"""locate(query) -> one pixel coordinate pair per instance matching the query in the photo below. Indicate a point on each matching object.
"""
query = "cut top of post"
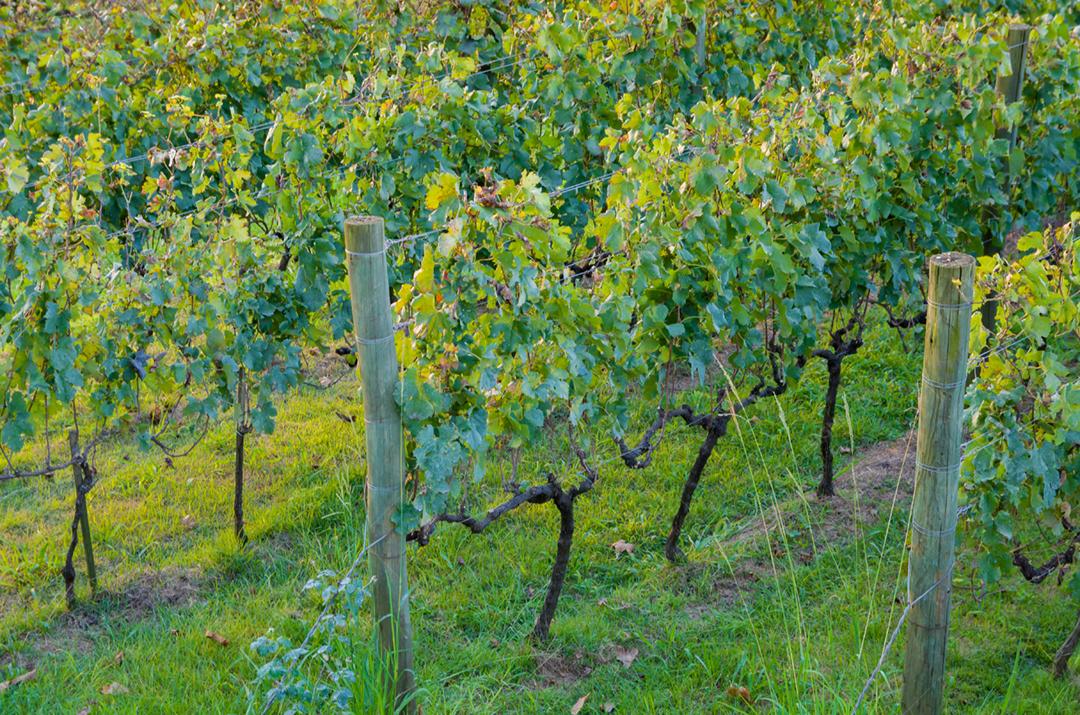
(948, 310)
(364, 235)
(951, 276)
(952, 260)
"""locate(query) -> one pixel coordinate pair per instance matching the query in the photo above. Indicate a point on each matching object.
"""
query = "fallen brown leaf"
(119, 657)
(25, 677)
(626, 656)
(114, 688)
(622, 547)
(579, 704)
(741, 693)
(217, 638)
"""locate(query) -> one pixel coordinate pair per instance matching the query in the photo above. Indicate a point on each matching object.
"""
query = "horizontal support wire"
(916, 526)
(948, 306)
(375, 341)
(942, 385)
(364, 254)
(936, 469)
(394, 488)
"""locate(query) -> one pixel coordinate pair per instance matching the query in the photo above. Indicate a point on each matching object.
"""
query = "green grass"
(801, 637)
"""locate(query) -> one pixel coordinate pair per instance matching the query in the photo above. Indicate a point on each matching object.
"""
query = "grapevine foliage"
(582, 205)
(1024, 406)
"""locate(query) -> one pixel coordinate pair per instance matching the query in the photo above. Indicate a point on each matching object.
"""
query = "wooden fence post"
(1009, 87)
(365, 249)
(701, 33)
(937, 471)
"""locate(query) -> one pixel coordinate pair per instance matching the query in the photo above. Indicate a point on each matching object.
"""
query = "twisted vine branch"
(551, 491)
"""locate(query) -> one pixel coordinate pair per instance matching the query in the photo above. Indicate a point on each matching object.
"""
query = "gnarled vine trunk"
(243, 426)
(83, 478)
(238, 488)
(1061, 658)
(715, 424)
(842, 347)
(825, 486)
(553, 492)
(671, 546)
(565, 504)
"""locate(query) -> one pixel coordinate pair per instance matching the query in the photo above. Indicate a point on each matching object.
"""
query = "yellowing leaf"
(462, 67)
(449, 238)
(150, 186)
(424, 277)
(17, 175)
(443, 190)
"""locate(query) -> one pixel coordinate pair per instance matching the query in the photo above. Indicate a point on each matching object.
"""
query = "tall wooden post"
(937, 471)
(1009, 87)
(365, 249)
(701, 32)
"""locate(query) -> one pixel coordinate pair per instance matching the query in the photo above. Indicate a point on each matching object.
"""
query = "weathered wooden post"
(701, 33)
(365, 250)
(937, 471)
(1009, 87)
